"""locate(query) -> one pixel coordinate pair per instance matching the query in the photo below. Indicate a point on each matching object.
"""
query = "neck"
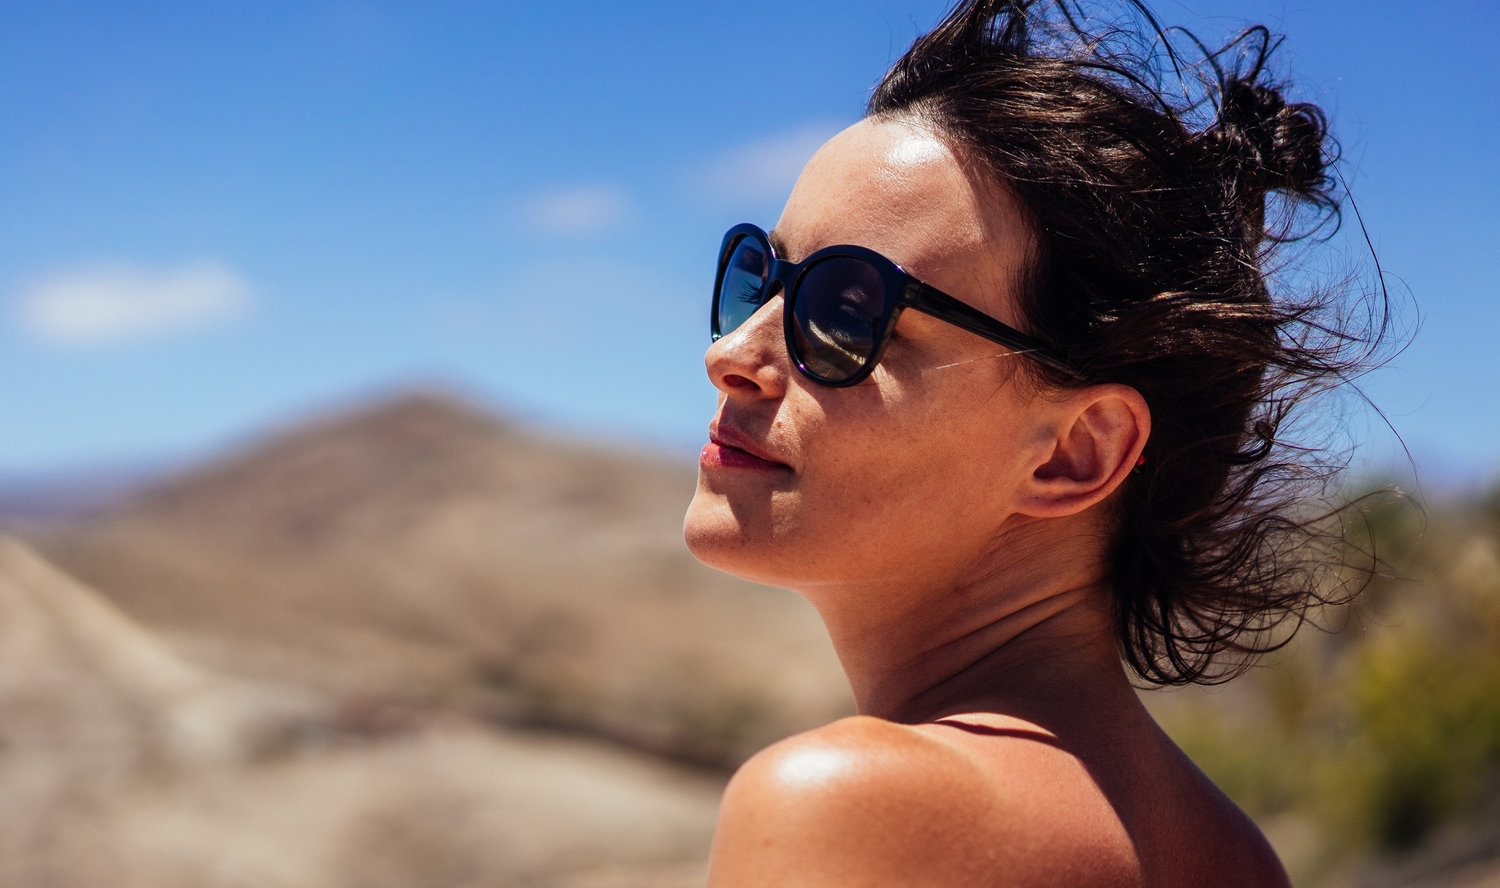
(1025, 630)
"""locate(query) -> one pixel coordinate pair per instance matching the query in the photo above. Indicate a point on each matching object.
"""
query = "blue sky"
(217, 216)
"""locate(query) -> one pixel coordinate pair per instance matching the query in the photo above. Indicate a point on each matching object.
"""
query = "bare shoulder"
(865, 801)
(1205, 837)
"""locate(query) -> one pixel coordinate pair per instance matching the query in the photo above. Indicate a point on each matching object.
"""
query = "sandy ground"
(449, 806)
(123, 765)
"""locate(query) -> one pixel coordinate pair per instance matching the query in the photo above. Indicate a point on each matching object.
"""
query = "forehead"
(896, 187)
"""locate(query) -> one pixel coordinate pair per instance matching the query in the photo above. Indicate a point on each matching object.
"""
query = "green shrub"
(1380, 733)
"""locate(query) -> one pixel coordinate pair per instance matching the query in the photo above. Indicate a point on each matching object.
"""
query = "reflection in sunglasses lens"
(839, 307)
(742, 290)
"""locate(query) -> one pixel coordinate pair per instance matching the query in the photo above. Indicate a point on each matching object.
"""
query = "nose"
(752, 362)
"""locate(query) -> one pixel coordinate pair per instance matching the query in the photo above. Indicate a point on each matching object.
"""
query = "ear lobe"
(1100, 434)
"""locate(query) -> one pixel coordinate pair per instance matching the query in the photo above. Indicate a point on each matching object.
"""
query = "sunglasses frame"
(902, 291)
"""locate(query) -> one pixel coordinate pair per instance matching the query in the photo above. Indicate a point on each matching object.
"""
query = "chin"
(717, 537)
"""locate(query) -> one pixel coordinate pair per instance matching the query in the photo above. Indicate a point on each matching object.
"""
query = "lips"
(728, 449)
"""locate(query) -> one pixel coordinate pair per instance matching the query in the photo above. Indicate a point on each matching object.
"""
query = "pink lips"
(719, 456)
(725, 450)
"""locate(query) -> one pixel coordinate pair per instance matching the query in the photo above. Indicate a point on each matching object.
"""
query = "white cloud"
(117, 303)
(762, 171)
(578, 211)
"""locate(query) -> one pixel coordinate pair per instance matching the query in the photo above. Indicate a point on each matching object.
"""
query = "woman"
(1001, 396)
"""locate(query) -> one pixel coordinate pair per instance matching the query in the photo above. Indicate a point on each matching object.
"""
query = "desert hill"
(423, 554)
(88, 699)
(123, 765)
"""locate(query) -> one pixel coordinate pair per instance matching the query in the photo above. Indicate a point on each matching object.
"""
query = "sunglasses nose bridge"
(780, 279)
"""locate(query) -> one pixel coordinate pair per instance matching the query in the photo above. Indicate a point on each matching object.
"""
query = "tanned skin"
(950, 522)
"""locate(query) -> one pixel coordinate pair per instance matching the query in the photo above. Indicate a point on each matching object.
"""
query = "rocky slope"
(123, 765)
(423, 554)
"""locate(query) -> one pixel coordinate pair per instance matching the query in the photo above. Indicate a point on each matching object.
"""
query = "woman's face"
(919, 468)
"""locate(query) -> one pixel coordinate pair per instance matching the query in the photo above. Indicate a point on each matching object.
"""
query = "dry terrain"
(410, 645)
(423, 555)
(121, 764)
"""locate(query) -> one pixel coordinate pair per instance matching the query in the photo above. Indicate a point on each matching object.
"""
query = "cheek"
(891, 483)
(934, 493)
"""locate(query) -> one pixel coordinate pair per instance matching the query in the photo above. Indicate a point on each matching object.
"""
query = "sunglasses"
(841, 306)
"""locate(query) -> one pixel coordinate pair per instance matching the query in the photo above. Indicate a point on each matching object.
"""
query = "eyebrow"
(778, 245)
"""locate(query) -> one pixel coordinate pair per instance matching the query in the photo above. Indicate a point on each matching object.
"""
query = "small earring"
(1140, 462)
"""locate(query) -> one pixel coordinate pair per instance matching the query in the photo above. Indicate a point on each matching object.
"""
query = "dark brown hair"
(1146, 172)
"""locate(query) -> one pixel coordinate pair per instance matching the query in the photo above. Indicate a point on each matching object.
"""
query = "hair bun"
(1272, 145)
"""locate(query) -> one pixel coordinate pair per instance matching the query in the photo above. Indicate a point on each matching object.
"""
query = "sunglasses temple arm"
(940, 305)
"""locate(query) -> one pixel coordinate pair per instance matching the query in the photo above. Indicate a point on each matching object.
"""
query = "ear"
(1098, 435)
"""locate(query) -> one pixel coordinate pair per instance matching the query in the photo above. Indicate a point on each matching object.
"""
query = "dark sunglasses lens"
(742, 289)
(839, 309)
